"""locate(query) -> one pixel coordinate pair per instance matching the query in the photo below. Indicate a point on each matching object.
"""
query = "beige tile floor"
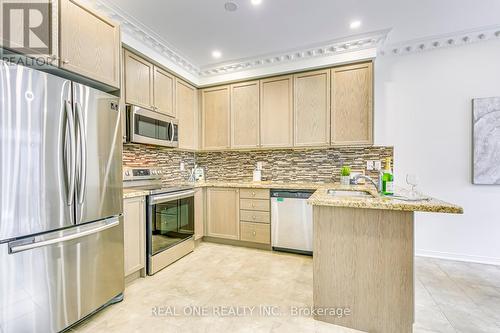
(450, 296)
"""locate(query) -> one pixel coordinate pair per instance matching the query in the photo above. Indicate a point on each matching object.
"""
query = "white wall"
(423, 108)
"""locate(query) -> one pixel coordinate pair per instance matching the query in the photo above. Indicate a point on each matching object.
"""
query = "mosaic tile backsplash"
(308, 165)
(136, 155)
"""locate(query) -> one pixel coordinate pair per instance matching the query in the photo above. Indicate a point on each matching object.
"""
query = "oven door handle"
(170, 197)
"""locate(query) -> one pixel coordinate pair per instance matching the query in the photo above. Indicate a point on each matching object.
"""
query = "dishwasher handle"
(292, 194)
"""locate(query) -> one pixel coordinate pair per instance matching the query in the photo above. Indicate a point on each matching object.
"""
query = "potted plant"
(345, 175)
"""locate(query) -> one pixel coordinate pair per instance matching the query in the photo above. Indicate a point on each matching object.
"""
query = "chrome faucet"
(377, 186)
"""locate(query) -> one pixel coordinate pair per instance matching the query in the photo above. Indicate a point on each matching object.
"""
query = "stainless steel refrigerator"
(61, 228)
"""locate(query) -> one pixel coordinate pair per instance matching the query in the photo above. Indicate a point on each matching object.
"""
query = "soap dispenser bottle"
(387, 178)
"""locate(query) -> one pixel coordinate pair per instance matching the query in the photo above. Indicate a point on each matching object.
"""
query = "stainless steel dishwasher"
(291, 221)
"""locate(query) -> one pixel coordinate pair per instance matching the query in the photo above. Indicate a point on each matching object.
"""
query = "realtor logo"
(26, 26)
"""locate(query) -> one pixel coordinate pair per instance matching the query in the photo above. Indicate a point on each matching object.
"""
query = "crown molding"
(436, 42)
(138, 36)
(322, 50)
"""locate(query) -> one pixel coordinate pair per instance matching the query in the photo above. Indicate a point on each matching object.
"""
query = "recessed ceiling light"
(256, 2)
(216, 54)
(355, 24)
(230, 6)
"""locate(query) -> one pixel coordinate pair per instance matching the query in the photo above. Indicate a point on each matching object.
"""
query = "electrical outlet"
(369, 165)
(182, 166)
(377, 165)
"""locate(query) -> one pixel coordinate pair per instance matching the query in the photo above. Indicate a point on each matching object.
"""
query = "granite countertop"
(429, 204)
(321, 198)
(131, 193)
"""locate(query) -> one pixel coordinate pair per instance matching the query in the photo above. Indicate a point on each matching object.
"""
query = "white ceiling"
(196, 27)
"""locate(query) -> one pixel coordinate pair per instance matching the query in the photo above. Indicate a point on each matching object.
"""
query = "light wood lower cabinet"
(276, 112)
(89, 43)
(352, 104)
(223, 213)
(216, 117)
(255, 232)
(199, 213)
(245, 115)
(134, 230)
(186, 99)
(312, 108)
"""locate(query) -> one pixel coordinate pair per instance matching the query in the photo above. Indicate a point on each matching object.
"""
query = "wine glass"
(412, 180)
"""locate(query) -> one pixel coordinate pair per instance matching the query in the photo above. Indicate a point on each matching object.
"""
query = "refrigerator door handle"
(82, 133)
(70, 121)
(173, 132)
(45, 240)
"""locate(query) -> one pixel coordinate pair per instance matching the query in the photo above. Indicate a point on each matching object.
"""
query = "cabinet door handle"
(254, 217)
(254, 233)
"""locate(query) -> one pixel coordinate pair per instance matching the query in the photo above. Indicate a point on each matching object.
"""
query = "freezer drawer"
(53, 280)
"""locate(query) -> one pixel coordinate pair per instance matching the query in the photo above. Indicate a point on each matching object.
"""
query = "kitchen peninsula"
(363, 258)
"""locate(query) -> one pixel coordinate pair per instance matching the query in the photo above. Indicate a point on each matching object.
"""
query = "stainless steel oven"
(152, 128)
(170, 226)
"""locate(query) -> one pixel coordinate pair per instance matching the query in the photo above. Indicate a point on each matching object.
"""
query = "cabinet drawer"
(255, 216)
(252, 193)
(255, 232)
(255, 204)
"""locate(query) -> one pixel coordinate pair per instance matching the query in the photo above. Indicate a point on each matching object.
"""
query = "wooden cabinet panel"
(256, 232)
(138, 81)
(352, 104)
(89, 43)
(215, 115)
(223, 213)
(186, 98)
(245, 115)
(134, 229)
(251, 204)
(199, 213)
(276, 112)
(255, 216)
(254, 193)
(312, 108)
(163, 96)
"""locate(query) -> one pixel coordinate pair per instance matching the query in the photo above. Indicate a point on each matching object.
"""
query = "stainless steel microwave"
(151, 128)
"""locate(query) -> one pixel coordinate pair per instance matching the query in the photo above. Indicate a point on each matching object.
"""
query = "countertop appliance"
(61, 229)
(291, 221)
(151, 127)
(169, 217)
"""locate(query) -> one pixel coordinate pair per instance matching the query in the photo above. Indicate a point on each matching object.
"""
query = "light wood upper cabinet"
(276, 112)
(223, 213)
(245, 115)
(163, 96)
(134, 228)
(216, 117)
(186, 98)
(138, 81)
(89, 43)
(352, 104)
(312, 108)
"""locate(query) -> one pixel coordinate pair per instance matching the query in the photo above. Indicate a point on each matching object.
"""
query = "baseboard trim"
(234, 242)
(458, 257)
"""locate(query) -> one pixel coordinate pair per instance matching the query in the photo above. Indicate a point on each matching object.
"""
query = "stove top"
(149, 179)
(154, 189)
